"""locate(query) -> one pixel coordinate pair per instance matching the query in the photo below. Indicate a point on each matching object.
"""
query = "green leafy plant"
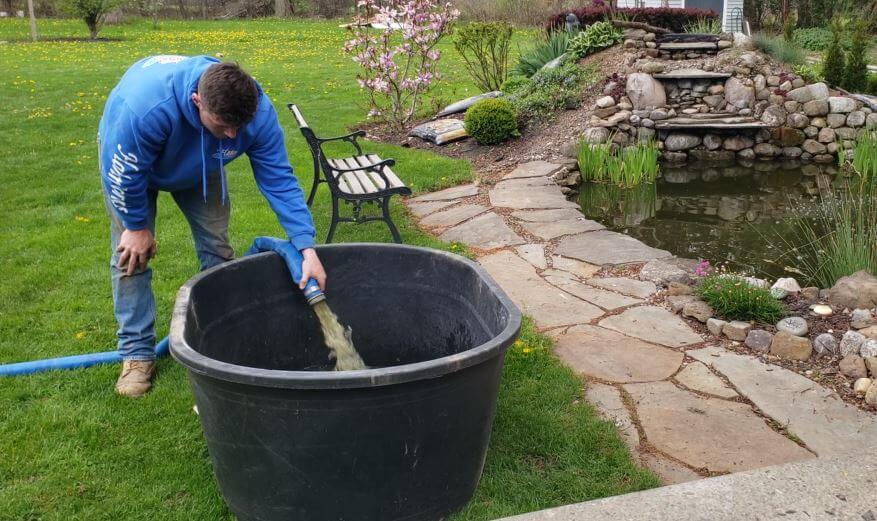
(92, 12)
(810, 73)
(818, 39)
(779, 49)
(855, 78)
(485, 50)
(545, 50)
(864, 160)
(734, 298)
(491, 121)
(834, 60)
(513, 84)
(550, 90)
(597, 36)
(625, 167)
(704, 25)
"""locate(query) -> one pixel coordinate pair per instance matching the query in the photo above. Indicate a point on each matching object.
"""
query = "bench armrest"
(377, 167)
(350, 138)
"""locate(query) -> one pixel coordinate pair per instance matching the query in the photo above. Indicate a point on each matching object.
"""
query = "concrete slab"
(697, 377)
(824, 488)
(534, 254)
(448, 194)
(613, 357)
(453, 216)
(486, 232)
(815, 414)
(529, 197)
(606, 247)
(424, 209)
(533, 169)
(632, 287)
(549, 306)
(652, 324)
(551, 230)
(607, 300)
(714, 434)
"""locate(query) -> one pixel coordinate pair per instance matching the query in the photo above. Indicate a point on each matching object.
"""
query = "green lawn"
(69, 447)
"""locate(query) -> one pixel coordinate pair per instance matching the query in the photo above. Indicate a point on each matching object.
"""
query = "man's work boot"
(136, 378)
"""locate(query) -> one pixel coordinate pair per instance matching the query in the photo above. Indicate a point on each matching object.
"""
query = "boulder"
(712, 141)
(826, 135)
(596, 135)
(652, 67)
(739, 93)
(825, 344)
(789, 137)
(836, 120)
(851, 343)
(737, 330)
(699, 310)
(679, 141)
(738, 142)
(856, 119)
(766, 150)
(645, 91)
(715, 326)
(759, 340)
(816, 91)
(788, 283)
(774, 116)
(853, 366)
(789, 346)
(858, 290)
(814, 147)
(797, 120)
(792, 152)
(816, 108)
(841, 104)
(605, 102)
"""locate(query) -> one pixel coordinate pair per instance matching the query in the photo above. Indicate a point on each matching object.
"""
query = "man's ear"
(196, 99)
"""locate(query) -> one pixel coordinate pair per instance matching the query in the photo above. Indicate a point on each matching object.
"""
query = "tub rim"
(200, 364)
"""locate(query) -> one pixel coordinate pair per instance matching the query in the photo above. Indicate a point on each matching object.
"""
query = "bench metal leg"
(316, 182)
(334, 222)
(385, 208)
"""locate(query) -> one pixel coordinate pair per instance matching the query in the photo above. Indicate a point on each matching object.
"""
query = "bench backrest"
(316, 149)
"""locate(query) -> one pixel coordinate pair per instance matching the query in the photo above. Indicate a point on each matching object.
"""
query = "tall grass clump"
(704, 25)
(625, 167)
(865, 155)
(779, 49)
(734, 298)
(546, 49)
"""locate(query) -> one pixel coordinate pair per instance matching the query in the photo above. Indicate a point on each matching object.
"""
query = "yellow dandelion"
(82, 219)
(79, 335)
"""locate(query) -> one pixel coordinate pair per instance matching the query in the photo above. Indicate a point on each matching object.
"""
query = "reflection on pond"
(739, 214)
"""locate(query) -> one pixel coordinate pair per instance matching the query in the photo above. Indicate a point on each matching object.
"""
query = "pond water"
(738, 214)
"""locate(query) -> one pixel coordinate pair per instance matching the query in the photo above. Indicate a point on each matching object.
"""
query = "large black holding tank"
(291, 439)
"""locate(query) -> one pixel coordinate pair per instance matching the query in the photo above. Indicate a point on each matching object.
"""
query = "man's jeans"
(132, 296)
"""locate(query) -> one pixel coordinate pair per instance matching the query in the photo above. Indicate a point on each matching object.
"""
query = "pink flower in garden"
(703, 268)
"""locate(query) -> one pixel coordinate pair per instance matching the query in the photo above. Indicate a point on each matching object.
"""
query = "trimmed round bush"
(491, 121)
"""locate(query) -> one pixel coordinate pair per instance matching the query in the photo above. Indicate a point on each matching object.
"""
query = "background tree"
(33, 20)
(833, 63)
(855, 78)
(92, 12)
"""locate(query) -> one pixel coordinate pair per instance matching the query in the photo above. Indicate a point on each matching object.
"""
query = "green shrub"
(92, 12)
(597, 36)
(625, 167)
(855, 77)
(818, 39)
(704, 25)
(513, 84)
(550, 90)
(485, 50)
(833, 62)
(491, 121)
(545, 50)
(779, 49)
(733, 298)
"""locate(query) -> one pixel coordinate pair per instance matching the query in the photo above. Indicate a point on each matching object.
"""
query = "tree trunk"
(281, 8)
(33, 20)
(203, 9)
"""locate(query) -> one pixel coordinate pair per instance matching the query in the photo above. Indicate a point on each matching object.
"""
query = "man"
(170, 125)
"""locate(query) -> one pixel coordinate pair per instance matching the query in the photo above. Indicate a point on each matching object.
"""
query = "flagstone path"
(686, 408)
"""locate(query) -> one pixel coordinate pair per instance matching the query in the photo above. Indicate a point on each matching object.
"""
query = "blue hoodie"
(152, 137)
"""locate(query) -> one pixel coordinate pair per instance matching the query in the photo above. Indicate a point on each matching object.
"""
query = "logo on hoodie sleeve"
(163, 59)
(116, 175)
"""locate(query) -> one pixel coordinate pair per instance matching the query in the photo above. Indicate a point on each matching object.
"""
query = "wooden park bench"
(357, 179)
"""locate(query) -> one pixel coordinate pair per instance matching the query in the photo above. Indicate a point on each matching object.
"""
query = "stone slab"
(534, 254)
(549, 306)
(670, 472)
(524, 181)
(448, 194)
(690, 74)
(529, 197)
(424, 209)
(606, 247)
(632, 287)
(533, 169)
(697, 377)
(607, 300)
(815, 414)
(440, 131)
(712, 434)
(551, 230)
(607, 400)
(486, 232)
(453, 216)
(583, 270)
(613, 357)
(824, 488)
(652, 324)
(545, 216)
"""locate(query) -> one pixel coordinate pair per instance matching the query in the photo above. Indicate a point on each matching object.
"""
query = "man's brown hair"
(229, 93)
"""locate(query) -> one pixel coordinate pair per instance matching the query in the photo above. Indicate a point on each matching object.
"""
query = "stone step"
(691, 74)
(687, 37)
(688, 46)
(728, 123)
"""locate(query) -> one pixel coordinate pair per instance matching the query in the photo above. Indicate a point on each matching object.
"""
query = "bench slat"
(346, 181)
(372, 173)
(367, 185)
(395, 182)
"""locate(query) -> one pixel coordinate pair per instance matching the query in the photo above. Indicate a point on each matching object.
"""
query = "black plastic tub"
(291, 440)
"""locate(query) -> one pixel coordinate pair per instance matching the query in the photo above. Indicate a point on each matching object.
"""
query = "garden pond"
(742, 215)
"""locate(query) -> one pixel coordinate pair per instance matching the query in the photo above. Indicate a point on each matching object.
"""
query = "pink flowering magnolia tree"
(399, 61)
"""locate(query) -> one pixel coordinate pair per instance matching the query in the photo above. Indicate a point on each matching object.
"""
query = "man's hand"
(312, 268)
(137, 247)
